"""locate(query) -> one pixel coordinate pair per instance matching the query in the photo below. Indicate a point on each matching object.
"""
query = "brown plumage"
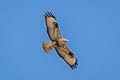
(57, 41)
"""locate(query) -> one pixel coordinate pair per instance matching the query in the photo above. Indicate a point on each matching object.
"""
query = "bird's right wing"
(66, 54)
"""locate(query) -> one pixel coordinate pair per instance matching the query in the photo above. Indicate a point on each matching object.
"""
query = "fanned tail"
(48, 46)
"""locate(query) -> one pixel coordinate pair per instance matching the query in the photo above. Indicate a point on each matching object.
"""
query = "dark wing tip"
(74, 65)
(49, 14)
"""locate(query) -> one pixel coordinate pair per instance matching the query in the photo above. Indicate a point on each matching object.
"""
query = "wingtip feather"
(49, 14)
(74, 66)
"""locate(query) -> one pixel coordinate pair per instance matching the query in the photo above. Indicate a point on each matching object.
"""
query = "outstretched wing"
(66, 54)
(52, 27)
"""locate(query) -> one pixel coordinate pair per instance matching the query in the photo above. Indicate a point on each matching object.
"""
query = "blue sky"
(92, 26)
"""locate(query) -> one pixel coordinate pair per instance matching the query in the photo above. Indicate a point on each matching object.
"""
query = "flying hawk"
(57, 41)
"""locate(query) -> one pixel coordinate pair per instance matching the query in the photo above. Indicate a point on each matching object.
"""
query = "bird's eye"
(56, 25)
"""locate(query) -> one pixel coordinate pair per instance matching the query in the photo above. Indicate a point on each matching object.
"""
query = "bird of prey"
(57, 41)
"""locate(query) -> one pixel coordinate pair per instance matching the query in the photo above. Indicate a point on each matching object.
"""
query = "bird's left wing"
(52, 26)
(66, 54)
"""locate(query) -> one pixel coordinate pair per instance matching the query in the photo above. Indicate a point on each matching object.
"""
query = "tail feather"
(46, 48)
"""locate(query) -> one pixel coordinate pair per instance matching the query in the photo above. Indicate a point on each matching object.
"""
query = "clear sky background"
(92, 26)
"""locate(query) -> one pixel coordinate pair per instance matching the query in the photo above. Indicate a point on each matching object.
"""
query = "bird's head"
(62, 41)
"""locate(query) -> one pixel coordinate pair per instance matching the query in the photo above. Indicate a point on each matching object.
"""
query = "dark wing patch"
(52, 26)
(71, 54)
(67, 56)
(56, 24)
(74, 65)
